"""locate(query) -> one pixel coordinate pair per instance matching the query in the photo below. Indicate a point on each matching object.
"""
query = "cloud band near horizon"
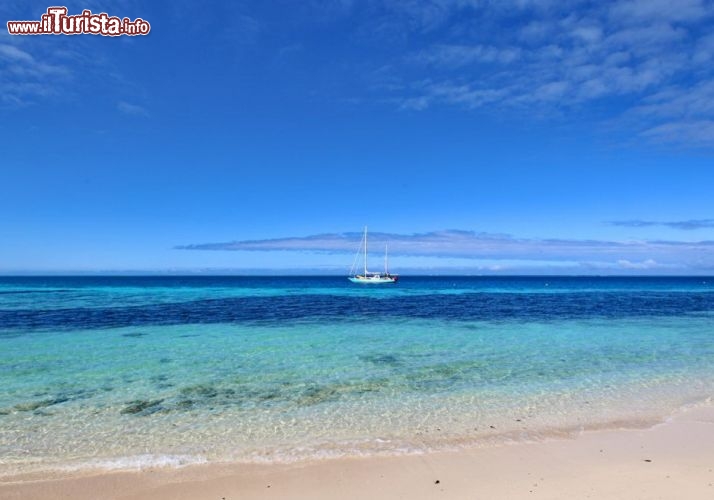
(473, 245)
(687, 225)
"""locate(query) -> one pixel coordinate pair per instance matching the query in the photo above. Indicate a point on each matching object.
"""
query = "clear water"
(124, 372)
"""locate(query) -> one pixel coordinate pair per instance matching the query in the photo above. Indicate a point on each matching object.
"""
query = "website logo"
(56, 21)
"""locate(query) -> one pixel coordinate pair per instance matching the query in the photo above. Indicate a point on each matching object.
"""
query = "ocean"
(131, 372)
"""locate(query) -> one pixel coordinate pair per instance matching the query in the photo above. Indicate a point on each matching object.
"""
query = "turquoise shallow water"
(125, 372)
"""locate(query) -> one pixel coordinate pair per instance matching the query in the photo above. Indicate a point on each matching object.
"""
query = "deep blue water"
(115, 371)
(273, 299)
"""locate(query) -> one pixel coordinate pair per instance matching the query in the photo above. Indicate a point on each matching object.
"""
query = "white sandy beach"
(671, 460)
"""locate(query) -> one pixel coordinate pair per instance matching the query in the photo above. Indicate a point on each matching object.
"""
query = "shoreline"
(670, 459)
(419, 445)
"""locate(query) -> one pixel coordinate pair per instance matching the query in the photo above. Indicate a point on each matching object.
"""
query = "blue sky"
(518, 136)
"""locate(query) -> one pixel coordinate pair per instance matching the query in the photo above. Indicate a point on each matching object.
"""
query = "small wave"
(135, 463)
(125, 463)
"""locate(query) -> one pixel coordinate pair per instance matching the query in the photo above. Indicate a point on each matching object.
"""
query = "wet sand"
(671, 460)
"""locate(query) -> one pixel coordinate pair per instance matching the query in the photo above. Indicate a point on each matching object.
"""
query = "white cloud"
(11, 53)
(551, 91)
(25, 78)
(680, 102)
(697, 133)
(131, 109)
(33, 69)
(463, 55)
(649, 10)
(494, 247)
(535, 31)
(589, 34)
(649, 51)
(463, 94)
(645, 264)
(687, 225)
(416, 103)
(704, 52)
(646, 40)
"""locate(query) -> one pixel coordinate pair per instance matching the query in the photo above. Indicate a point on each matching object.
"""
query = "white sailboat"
(369, 277)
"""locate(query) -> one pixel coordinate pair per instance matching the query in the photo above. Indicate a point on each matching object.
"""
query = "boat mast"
(386, 258)
(365, 251)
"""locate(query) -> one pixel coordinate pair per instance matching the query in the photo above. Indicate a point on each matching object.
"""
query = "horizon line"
(257, 274)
